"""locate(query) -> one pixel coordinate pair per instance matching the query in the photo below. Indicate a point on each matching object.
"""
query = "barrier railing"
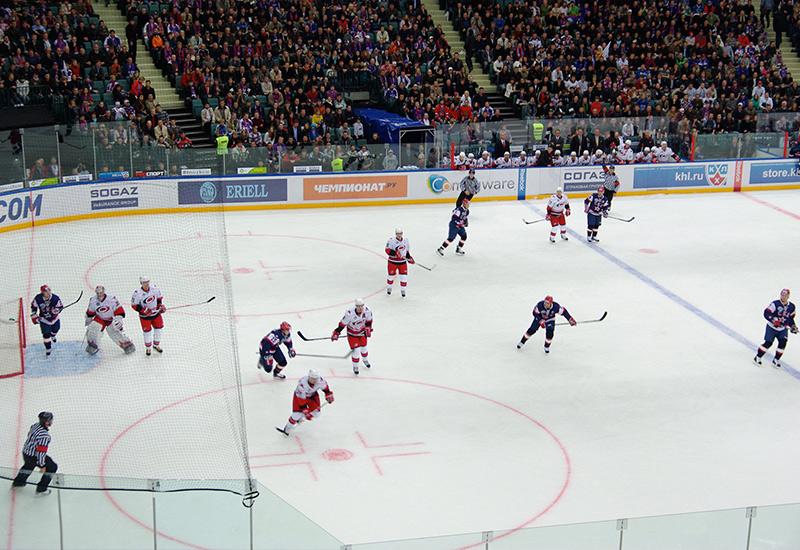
(60, 154)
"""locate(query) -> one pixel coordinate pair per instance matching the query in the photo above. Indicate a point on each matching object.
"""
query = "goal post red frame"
(22, 340)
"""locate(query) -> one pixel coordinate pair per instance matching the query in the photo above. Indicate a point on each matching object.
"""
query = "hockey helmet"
(398, 230)
(598, 152)
(523, 153)
(313, 375)
(286, 326)
(559, 190)
(44, 288)
(548, 299)
(586, 153)
(144, 279)
(359, 302)
(99, 290)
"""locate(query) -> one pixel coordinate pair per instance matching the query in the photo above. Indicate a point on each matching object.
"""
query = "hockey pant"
(95, 330)
(358, 349)
(266, 361)
(393, 268)
(152, 328)
(549, 331)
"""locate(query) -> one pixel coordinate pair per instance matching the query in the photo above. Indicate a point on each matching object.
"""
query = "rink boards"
(81, 200)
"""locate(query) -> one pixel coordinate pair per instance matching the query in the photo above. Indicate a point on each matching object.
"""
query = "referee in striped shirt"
(34, 455)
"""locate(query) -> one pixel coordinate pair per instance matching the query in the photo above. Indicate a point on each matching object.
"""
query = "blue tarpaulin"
(386, 124)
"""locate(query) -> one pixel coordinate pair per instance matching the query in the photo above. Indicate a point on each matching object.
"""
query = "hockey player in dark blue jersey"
(459, 222)
(271, 349)
(780, 320)
(596, 207)
(544, 316)
(45, 309)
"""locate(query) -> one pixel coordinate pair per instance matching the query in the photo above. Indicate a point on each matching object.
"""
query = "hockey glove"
(308, 414)
(777, 323)
(605, 214)
(329, 397)
(542, 324)
(35, 320)
(162, 308)
(794, 329)
(572, 321)
(292, 353)
(410, 260)
(88, 321)
(334, 336)
(117, 322)
(567, 212)
(368, 331)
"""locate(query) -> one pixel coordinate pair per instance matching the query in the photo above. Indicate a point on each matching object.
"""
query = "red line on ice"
(378, 467)
(301, 451)
(310, 467)
(775, 207)
(368, 446)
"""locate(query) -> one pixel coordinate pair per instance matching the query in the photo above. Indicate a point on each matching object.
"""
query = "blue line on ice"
(687, 305)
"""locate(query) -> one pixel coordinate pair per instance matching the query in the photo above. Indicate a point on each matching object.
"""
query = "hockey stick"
(321, 356)
(603, 316)
(425, 266)
(301, 335)
(73, 303)
(528, 222)
(629, 220)
(193, 305)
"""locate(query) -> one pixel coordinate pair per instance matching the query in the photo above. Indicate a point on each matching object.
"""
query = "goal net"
(12, 338)
(123, 419)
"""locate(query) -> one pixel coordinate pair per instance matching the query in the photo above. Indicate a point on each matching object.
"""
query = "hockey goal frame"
(22, 340)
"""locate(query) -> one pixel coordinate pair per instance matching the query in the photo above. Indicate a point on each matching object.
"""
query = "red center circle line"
(88, 273)
(143, 419)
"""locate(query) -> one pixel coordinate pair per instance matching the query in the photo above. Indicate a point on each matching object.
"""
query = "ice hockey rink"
(656, 410)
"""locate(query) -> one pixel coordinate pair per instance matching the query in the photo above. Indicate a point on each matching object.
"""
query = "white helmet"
(99, 290)
(506, 154)
(537, 153)
(559, 190)
(485, 153)
(647, 149)
(462, 155)
(359, 302)
(398, 230)
(523, 153)
(144, 279)
(628, 142)
(586, 153)
(573, 154)
(313, 375)
(558, 151)
(471, 156)
(663, 143)
(599, 152)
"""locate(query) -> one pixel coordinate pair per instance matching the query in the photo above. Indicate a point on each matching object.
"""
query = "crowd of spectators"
(64, 53)
(707, 64)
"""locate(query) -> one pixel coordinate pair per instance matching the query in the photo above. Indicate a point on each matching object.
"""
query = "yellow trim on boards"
(346, 204)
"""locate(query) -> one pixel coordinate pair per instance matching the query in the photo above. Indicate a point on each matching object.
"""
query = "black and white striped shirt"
(37, 443)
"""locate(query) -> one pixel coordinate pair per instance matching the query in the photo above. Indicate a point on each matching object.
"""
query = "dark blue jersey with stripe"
(460, 215)
(273, 340)
(548, 315)
(46, 310)
(783, 313)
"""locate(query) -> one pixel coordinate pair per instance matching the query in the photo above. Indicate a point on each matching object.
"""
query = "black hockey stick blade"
(78, 299)
(301, 335)
(193, 305)
(323, 356)
(431, 268)
(628, 220)
(528, 222)
(603, 316)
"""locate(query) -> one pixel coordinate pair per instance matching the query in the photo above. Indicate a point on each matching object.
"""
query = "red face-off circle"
(337, 455)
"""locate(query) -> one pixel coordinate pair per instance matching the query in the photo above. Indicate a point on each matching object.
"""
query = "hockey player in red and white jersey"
(306, 403)
(147, 300)
(664, 154)
(599, 157)
(558, 160)
(624, 153)
(585, 159)
(105, 314)
(557, 211)
(399, 251)
(571, 160)
(485, 161)
(520, 161)
(358, 322)
(504, 161)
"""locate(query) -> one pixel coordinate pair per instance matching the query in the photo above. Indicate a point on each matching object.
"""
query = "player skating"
(544, 316)
(105, 314)
(596, 208)
(557, 211)
(270, 350)
(45, 309)
(459, 221)
(148, 302)
(358, 321)
(780, 317)
(399, 252)
(305, 403)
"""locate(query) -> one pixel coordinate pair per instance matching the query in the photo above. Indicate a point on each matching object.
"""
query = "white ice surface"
(454, 430)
